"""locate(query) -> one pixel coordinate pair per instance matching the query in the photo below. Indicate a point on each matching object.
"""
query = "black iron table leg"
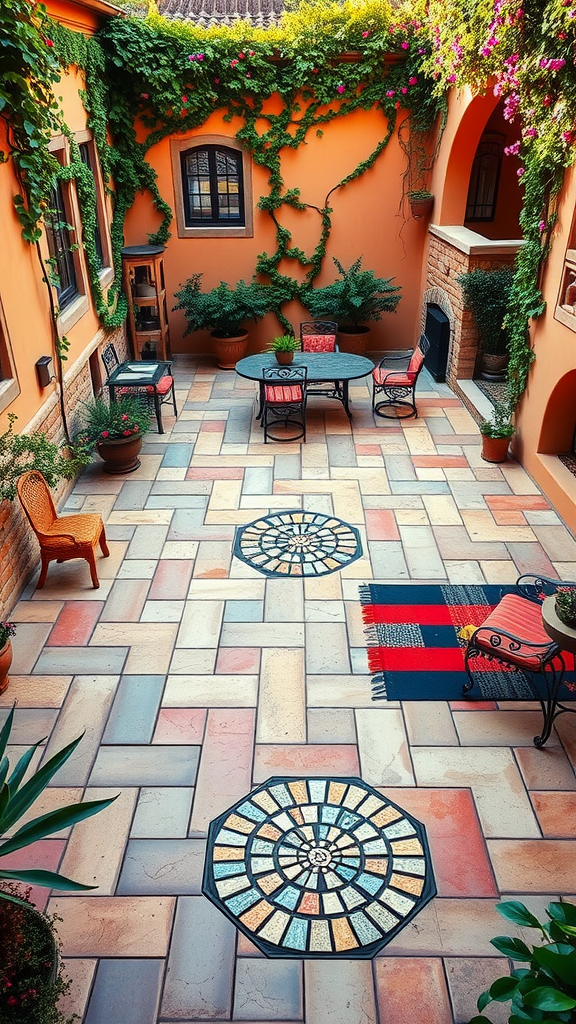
(345, 401)
(158, 409)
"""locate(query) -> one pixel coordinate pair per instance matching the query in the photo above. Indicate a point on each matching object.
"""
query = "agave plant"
(17, 796)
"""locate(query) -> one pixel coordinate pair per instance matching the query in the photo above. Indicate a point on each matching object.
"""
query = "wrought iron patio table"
(323, 367)
(141, 374)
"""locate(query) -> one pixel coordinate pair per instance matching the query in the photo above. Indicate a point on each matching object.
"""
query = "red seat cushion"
(523, 619)
(381, 375)
(416, 361)
(163, 386)
(283, 393)
(318, 342)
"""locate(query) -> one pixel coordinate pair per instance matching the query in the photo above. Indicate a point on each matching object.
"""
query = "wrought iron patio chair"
(399, 386)
(60, 537)
(284, 401)
(320, 336)
(514, 635)
(155, 394)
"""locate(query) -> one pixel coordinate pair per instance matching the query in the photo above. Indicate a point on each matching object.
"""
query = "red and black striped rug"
(415, 652)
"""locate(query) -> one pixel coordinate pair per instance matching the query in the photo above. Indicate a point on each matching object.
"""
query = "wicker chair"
(514, 635)
(60, 537)
(398, 385)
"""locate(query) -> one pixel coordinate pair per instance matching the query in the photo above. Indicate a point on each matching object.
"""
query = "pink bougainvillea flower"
(542, 225)
(421, 49)
(341, 89)
(105, 433)
(404, 46)
(365, 35)
(451, 79)
(233, 63)
(413, 80)
(513, 149)
(241, 56)
(546, 101)
(390, 92)
(485, 51)
(530, 133)
(520, 172)
(568, 136)
(404, 90)
(184, 99)
(248, 75)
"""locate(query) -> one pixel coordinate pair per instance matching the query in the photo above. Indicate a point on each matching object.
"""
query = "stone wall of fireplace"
(453, 251)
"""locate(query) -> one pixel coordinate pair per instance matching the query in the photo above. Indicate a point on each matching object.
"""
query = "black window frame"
(215, 220)
(59, 243)
(490, 151)
(86, 158)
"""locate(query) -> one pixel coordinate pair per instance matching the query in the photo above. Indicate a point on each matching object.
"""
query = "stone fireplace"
(453, 251)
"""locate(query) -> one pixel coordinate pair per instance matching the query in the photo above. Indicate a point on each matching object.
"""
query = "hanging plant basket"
(421, 204)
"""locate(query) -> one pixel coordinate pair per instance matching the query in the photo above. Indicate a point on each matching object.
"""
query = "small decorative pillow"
(318, 342)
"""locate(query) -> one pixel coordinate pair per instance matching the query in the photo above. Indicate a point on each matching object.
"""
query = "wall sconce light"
(44, 371)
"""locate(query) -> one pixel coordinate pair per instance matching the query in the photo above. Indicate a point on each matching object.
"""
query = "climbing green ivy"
(148, 79)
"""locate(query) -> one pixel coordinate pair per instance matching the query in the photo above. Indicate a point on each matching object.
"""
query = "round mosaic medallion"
(297, 544)
(318, 867)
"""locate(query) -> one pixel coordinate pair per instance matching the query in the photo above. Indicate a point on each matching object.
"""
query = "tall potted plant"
(352, 300)
(486, 294)
(115, 430)
(224, 311)
(30, 979)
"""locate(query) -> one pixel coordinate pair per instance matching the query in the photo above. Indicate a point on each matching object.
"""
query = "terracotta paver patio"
(196, 678)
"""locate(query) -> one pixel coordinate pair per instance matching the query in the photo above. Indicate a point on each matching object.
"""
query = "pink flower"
(530, 133)
(124, 416)
(413, 80)
(248, 75)
(404, 46)
(568, 136)
(136, 428)
(126, 433)
(403, 90)
(144, 96)
(314, 71)
(397, 105)
(390, 92)
(233, 63)
(542, 225)
(365, 35)
(341, 89)
(520, 172)
(200, 56)
(250, 53)
(562, 35)
(49, 42)
(451, 79)
(184, 99)
(105, 433)
(241, 56)
(216, 81)
(513, 149)
(421, 50)
(485, 51)
(547, 100)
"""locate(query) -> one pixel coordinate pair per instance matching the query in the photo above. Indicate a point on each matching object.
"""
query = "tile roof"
(261, 13)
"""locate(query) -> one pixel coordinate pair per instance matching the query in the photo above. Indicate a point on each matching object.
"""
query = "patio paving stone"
(163, 812)
(171, 867)
(340, 991)
(127, 991)
(270, 988)
(200, 975)
(418, 992)
(145, 766)
(134, 710)
(225, 765)
(118, 926)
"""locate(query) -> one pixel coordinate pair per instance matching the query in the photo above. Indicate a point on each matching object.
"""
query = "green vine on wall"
(148, 79)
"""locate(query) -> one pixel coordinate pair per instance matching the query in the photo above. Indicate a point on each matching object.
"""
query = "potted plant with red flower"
(115, 430)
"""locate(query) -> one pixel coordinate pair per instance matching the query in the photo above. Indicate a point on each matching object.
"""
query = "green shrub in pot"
(486, 294)
(357, 297)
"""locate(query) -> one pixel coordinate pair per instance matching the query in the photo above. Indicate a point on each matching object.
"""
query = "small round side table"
(565, 636)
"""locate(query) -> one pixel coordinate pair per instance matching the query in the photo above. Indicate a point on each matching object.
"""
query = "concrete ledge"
(473, 244)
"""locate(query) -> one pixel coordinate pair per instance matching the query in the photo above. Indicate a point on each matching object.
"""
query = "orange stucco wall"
(365, 220)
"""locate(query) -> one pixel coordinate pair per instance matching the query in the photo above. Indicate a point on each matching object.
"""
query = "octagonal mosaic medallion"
(318, 868)
(297, 544)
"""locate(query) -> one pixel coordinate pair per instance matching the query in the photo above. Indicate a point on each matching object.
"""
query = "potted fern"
(284, 348)
(355, 298)
(224, 311)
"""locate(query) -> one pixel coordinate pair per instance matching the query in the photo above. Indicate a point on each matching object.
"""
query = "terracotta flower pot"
(230, 350)
(495, 449)
(284, 358)
(121, 455)
(421, 207)
(355, 342)
(493, 367)
(5, 662)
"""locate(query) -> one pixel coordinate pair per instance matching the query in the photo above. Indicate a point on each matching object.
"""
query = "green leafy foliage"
(354, 299)
(565, 605)
(487, 293)
(285, 343)
(500, 425)
(16, 798)
(103, 421)
(29, 990)
(21, 452)
(546, 990)
(225, 309)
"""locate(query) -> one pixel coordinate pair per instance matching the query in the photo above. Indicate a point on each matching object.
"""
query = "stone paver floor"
(196, 678)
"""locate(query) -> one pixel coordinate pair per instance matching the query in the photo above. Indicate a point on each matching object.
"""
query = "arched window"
(483, 190)
(213, 187)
